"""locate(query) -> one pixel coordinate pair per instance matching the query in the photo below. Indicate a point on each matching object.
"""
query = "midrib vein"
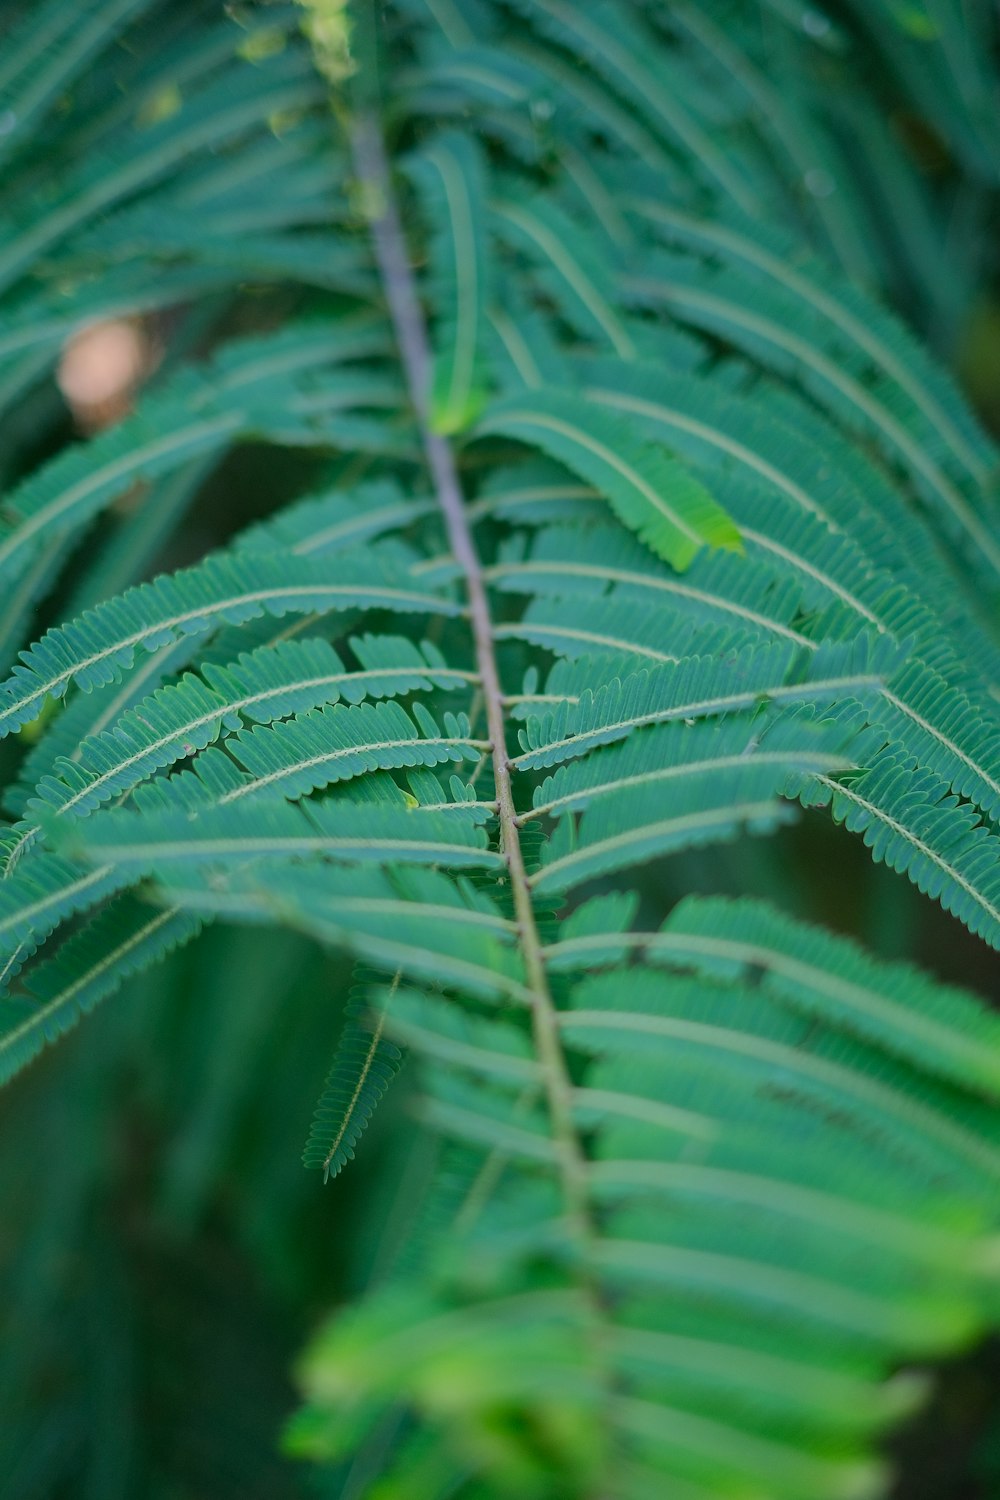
(411, 335)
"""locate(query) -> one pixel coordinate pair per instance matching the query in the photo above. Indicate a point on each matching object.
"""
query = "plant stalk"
(411, 334)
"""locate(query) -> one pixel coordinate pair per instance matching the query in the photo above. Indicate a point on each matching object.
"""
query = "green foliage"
(365, 1064)
(450, 179)
(623, 521)
(668, 510)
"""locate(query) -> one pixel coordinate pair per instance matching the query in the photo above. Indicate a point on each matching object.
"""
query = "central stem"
(411, 334)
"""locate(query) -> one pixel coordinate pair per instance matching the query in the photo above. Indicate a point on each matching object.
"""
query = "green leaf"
(103, 643)
(650, 491)
(450, 176)
(365, 1063)
(90, 966)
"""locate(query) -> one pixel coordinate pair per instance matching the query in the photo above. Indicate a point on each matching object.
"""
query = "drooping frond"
(942, 1030)
(365, 1063)
(707, 806)
(408, 916)
(772, 444)
(564, 267)
(48, 889)
(271, 683)
(134, 844)
(795, 739)
(614, 46)
(127, 937)
(327, 745)
(859, 332)
(226, 590)
(449, 173)
(718, 587)
(649, 491)
(723, 303)
(701, 687)
(176, 722)
(680, 785)
(910, 821)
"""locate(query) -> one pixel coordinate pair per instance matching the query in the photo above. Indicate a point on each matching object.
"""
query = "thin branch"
(408, 321)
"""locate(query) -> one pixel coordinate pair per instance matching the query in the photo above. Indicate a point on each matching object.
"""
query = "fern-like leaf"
(365, 1064)
(649, 491)
(450, 176)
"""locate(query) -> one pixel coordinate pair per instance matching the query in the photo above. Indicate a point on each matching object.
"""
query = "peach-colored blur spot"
(100, 369)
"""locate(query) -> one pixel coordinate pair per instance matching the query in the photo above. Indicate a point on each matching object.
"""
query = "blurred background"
(163, 1254)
